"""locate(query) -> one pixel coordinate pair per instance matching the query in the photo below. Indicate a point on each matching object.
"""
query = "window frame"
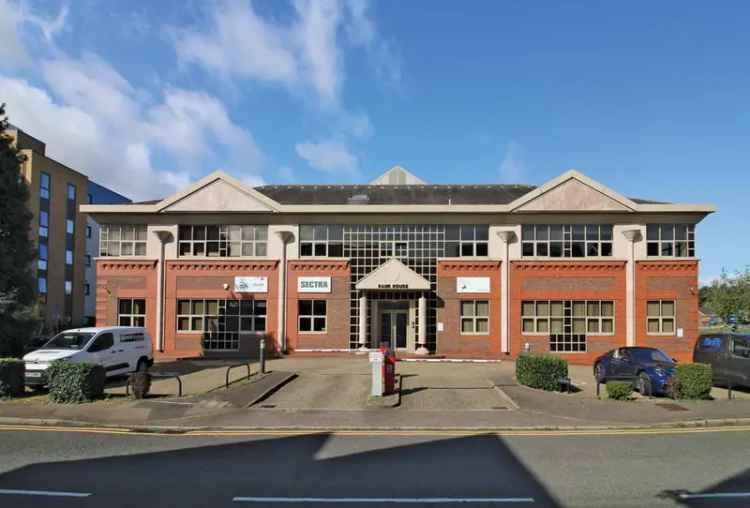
(320, 238)
(598, 318)
(131, 316)
(231, 337)
(661, 317)
(43, 224)
(70, 226)
(106, 231)
(42, 281)
(660, 244)
(88, 231)
(44, 192)
(72, 187)
(43, 256)
(223, 241)
(541, 234)
(474, 318)
(312, 316)
(69, 257)
(68, 287)
(87, 289)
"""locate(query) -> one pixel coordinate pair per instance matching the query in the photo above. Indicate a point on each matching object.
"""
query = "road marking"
(381, 500)
(714, 495)
(50, 493)
(377, 433)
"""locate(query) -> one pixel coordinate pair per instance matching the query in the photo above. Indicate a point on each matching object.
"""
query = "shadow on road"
(732, 492)
(303, 466)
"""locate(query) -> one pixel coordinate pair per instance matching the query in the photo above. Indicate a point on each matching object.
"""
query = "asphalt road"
(71, 469)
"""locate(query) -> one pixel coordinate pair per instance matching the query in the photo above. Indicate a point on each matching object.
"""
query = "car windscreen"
(650, 355)
(69, 340)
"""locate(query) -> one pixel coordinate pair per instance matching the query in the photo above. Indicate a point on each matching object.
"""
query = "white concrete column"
(286, 237)
(164, 238)
(507, 237)
(633, 236)
(363, 322)
(422, 331)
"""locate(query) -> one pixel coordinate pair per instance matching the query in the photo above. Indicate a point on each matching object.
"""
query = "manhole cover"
(672, 407)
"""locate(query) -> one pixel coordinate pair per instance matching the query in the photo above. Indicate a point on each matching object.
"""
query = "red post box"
(389, 369)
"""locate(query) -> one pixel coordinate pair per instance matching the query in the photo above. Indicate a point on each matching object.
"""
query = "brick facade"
(117, 279)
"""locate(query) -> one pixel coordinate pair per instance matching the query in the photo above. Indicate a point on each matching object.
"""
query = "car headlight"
(660, 372)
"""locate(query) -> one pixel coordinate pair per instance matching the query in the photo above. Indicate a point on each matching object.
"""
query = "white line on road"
(375, 500)
(714, 495)
(51, 493)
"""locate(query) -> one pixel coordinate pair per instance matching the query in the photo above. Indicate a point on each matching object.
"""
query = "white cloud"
(511, 168)
(14, 16)
(331, 156)
(362, 31)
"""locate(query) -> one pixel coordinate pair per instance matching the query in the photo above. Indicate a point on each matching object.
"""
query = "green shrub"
(75, 382)
(541, 370)
(619, 390)
(692, 381)
(11, 377)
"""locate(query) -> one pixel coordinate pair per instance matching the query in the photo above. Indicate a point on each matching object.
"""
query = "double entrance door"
(393, 327)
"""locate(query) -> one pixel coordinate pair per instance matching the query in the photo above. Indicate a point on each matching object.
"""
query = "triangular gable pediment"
(573, 192)
(393, 275)
(218, 193)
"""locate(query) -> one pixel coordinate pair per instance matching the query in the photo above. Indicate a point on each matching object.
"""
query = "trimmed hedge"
(72, 383)
(11, 377)
(541, 370)
(692, 381)
(619, 390)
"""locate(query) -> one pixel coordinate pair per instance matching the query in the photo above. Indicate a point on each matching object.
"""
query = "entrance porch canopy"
(393, 275)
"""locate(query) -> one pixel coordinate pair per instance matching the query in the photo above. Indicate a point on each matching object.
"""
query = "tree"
(18, 313)
(730, 296)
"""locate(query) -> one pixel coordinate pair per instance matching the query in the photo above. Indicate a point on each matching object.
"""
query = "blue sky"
(650, 98)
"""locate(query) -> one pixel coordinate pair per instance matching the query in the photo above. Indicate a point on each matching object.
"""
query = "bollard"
(262, 358)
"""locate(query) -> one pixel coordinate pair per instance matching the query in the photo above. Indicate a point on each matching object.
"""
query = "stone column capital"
(632, 235)
(507, 236)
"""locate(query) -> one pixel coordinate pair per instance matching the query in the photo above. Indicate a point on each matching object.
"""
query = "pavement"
(331, 393)
(72, 469)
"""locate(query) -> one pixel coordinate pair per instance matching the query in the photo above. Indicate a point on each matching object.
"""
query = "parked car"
(119, 349)
(35, 343)
(729, 357)
(649, 369)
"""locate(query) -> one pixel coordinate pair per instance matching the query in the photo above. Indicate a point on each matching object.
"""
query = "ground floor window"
(312, 315)
(661, 316)
(221, 321)
(568, 322)
(131, 312)
(475, 317)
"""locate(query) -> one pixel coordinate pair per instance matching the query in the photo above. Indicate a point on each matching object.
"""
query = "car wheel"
(644, 384)
(600, 373)
(142, 365)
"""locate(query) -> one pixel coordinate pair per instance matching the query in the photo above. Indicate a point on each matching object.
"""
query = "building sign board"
(251, 284)
(393, 286)
(314, 285)
(472, 284)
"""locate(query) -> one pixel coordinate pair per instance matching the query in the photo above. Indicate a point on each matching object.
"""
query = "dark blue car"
(647, 368)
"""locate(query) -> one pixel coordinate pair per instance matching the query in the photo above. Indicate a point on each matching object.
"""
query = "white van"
(119, 349)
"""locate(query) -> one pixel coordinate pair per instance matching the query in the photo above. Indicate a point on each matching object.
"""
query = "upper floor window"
(43, 224)
(566, 240)
(44, 185)
(69, 257)
(42, 261)
(70, 226)
(466, 240)
(223, 241)
(324, 240)
(71, 192)
(669, 240)
(122, 240)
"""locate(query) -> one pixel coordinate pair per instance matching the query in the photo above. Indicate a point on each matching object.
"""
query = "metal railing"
(230, 367)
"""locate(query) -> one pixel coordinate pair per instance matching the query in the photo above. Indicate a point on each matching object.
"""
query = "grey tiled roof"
(395, 194)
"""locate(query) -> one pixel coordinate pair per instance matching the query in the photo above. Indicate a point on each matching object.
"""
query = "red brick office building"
(483, 271)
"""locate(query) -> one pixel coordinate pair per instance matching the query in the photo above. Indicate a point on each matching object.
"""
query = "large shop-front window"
(131, 312)
(670, 240)
(568, 322)
(122, 240)
(566, 240)
(221, 321)
(223, 241)
(327, 240)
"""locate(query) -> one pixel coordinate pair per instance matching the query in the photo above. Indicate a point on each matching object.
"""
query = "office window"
(71, 192)
(43, 253)
(566, 240)
(69, 257)
(670, 240)
(88, 231)
(223, 241)
(43, 224)
(70, 226)
(131, 312)
(221, 321)
(122, 240)
(660, 316)
(87, 289)
(321, 240)
(44, 186)
(42, 285)
(592, 317)
(475, 317)
(312, 315)
(68, 287)
(88, 259)
(466, 240)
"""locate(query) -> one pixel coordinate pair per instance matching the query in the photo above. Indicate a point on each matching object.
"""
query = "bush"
(141, 383)
(75, 382)
(11, 377)
(619, 390)
(541, 370)
(692, 381)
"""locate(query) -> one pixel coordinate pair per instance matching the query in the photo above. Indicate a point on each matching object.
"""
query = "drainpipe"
(507, 237)
(633, 236)
(164, 237)
(286, 238)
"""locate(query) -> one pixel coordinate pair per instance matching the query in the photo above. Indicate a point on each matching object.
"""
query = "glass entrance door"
(393, 325)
